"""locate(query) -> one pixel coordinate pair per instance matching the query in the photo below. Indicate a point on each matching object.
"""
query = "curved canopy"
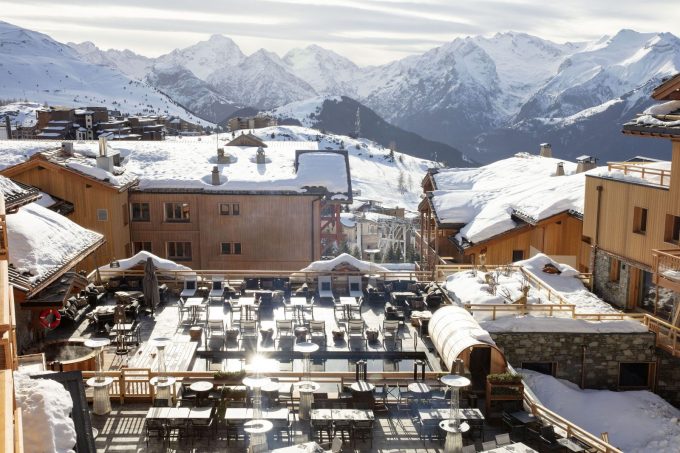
(346, 262)
(454, 330)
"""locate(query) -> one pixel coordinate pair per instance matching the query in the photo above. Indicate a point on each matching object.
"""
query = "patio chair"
(356, 333)
(176, 427)
(355, 310)
(325, 288)
(202, 313)
(284, 327)
(155, 426)
(317, 330)
(234, 430)
(235, 308)
(217, 289)
(362, 429)
(338, 311)
(288, 309)
(390, 333)
(489, 445)
(354, 283)
(216, 328)
(469, 449)
(342, 427)
(203, 428)
(190, 286)
(321, 427)
(503, 439)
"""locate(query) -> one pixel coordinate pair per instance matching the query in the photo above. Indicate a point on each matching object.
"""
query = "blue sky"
(366, 31)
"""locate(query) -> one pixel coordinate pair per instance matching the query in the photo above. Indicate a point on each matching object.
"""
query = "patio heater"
(306, 386)
(453, 427)
(162, 382)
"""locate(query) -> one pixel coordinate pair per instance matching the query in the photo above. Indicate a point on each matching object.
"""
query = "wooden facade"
(98, 206)
(275, 232)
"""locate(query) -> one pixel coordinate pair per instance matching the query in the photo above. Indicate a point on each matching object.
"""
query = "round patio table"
(258, 429)
(101, 403)
(454, 434)
(163, 385)
(202, 389)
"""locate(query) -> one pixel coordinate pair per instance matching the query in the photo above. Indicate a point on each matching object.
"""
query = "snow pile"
(346, 259)
(476, 287)
(484, 198)
(542, 324)
(637, 421)
(140, 260)
(45, 410)
(42, 241)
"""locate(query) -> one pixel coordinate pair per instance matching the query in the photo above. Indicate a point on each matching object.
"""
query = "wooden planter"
(502, 392)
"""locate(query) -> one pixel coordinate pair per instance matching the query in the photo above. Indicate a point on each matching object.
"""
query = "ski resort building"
(505, 212)
(251, 207)
(632, 217)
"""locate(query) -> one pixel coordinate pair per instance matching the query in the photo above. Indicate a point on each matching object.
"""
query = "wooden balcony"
(643, 170)
(666, 266)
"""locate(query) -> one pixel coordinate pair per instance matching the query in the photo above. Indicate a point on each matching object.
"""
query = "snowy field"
(637, 421)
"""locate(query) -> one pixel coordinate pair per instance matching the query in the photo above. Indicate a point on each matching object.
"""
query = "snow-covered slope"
(326, 71)
(206, 57)
(129, 63)
(35, 67)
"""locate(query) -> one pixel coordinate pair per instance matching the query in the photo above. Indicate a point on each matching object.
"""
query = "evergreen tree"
(344, 248)
(356, 253)
(401, 183)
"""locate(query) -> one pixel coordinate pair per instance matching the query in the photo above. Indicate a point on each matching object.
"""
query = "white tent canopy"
(346, 259)
(140, 259)
(453, 330)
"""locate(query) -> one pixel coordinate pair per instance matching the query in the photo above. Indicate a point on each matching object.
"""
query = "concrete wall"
(603, 353)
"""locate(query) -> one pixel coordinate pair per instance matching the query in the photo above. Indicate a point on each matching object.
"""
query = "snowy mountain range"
(487, 96)
(37, 68)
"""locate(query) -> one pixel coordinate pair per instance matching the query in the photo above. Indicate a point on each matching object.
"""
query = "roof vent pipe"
(585, 163)
(560, 169)
(546, 150)
(216, 176)
(104, 161)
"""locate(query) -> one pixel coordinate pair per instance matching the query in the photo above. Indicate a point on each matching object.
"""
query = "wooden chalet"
(632, 218)
(557, 235)
(247, 140)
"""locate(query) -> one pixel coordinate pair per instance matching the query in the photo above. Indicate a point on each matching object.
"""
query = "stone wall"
(616, 293)
(603, 352)
(668, 377)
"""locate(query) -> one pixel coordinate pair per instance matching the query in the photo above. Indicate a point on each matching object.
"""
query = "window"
(230, 209)
(102, 215)
(179, 251)
(672, 233)
(517, 255)
(614, 269)
(231, 248)
(634, 374)
(140, 212)
(548, 368)
(176, 212)
(138, 246)
(640, 220)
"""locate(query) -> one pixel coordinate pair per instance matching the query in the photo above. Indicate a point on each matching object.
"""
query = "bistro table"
(444, 413)
(299, 304)
(101, 403)
(517, 447)
(347, 304)
(162, 385)
(258, 430)
(193, 303)
(202, 389)
(306, 390)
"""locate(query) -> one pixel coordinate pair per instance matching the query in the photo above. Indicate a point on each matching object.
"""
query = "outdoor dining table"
(347, 304)
(444, 413)
(184, 413)
(517, 447)
(193, 303)
(342, 414)
(246, 413)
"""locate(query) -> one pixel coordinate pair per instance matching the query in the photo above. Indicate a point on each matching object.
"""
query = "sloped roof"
(17, 194)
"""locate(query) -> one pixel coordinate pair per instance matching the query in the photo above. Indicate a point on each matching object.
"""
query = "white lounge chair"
(354, 282)
(325, 288)
(217, 289)
(190, 286)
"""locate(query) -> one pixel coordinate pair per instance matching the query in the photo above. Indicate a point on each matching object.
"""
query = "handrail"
(666, 264)
(541, 285)
(644, 172)
(522, 309)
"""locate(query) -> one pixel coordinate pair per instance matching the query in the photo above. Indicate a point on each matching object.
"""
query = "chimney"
(260, 158)
(67, 148)
(104, 161)
(8, 128)
(585, 163)
(222, 158)
(546, 150)
(560, 169)
(216, 176)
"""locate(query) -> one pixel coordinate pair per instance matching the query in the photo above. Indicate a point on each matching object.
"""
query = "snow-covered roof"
(187, 165)
(344, 259)
(485, 198)
(140, 259)
(16, 194)
(659, 119)
(41, 242)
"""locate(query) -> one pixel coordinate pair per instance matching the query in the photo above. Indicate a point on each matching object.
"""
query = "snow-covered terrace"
(484, 199)
(188, 164)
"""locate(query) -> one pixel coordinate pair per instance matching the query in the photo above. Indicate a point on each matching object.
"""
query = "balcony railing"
(666, 265)
(657, 176)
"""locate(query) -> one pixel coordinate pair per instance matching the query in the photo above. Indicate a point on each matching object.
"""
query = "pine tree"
(357, 124)
(401, 184)
(356, 253)
(344, 248)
